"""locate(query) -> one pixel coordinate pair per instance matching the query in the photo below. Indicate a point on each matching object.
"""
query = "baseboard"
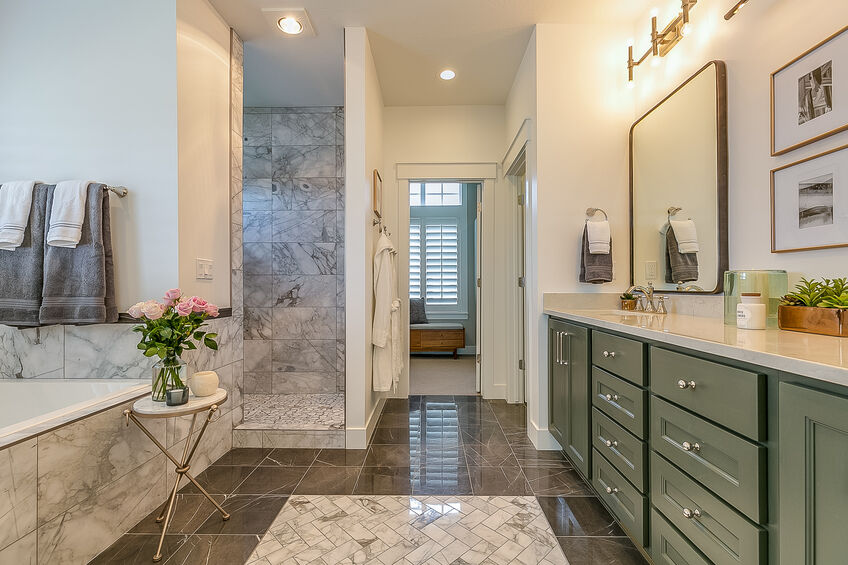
(542, 439)
(495, 392)
(358, 438)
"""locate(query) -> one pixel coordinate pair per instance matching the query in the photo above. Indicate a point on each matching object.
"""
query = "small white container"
(203, 383)
(751, 312)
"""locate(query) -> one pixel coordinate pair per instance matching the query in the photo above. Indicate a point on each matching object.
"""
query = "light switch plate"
(650, 270)
(203, 269)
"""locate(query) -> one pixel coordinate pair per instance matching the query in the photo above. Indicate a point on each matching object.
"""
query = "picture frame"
(809, 203)
(377, 193)
(809, 95)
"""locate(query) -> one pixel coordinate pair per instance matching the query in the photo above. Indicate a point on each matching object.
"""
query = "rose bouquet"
(170, 328)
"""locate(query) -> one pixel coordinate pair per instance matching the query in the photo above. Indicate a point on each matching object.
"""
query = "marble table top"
(147, 408)
(819, 357)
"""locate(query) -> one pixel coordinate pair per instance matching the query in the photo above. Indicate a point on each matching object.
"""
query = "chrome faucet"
(648, 293)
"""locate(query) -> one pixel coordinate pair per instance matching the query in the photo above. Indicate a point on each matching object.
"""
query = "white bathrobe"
(385, 333)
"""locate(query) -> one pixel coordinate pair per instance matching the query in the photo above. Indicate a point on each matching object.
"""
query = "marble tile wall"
(293, 250)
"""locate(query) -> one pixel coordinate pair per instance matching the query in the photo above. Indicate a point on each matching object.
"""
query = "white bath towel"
(687, 236)
(599, 237)
(67, 213)
(15, 206)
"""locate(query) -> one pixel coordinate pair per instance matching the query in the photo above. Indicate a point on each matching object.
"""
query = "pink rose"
(152, 310)
(135, 310)
(172, 296)
(183, 309)
(197, 304)
(212, 310)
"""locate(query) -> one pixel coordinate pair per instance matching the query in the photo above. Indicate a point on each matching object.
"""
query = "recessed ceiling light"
(289, 25)
(447, 74)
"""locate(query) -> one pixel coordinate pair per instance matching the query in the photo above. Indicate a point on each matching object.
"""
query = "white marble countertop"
(819, 357)
(147, 408)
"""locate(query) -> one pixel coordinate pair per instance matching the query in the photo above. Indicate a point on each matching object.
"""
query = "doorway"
(517, 177)
(444, 286)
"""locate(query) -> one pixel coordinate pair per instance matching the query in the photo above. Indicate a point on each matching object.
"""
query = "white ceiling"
(412, 40)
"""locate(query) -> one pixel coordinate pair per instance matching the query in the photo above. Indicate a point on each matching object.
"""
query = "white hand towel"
(15, 206)
(599, 237)
(687, 236)
(68, 213)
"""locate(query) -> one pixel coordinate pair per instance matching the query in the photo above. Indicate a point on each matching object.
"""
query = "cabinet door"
(556, 382)
(813, 470)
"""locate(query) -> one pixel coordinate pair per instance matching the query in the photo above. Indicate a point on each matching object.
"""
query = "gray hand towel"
(680, 267)
(20, 285)
(79, 283)
(595, 269)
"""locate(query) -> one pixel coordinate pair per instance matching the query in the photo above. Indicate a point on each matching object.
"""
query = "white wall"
(89, 91)
(760, 39)
(363, 154)
(203, 121)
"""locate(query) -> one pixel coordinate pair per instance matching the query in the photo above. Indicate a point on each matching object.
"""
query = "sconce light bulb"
(631, 84)
(686, 29)
(655, 61)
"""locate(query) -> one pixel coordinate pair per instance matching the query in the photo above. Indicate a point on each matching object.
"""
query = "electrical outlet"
(650, 270)
(203, 269)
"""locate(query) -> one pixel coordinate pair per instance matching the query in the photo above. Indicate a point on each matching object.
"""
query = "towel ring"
(672, 210)
(592, 211)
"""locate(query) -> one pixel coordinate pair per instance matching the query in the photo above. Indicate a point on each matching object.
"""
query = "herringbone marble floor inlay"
(384, 530)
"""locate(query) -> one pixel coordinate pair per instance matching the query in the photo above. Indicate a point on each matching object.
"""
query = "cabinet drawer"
(716, 529)
(732, 397)
(620, 400)
(626, 452)
(668, 547)
(628, 504)
(620, 356)
(730, 466)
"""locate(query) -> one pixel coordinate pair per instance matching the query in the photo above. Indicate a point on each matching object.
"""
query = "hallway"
(440, 375)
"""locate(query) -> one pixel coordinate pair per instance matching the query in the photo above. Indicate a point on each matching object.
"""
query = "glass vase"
(168, 373)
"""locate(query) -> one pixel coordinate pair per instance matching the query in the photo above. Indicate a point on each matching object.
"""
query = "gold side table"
(147, 408)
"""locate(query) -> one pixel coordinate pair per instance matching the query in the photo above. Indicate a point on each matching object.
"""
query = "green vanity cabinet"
(570, 405)
(813, 471)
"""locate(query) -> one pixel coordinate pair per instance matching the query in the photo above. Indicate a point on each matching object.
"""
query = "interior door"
(521, 283)
(477, 255)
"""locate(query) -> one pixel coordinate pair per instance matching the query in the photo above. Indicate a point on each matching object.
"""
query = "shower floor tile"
(294, 411)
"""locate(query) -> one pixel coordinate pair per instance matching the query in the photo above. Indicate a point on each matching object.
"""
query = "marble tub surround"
(818, 357)
(18, 492)
(293, 232)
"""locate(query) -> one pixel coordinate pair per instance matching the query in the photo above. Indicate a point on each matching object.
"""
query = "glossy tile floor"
(427, 446)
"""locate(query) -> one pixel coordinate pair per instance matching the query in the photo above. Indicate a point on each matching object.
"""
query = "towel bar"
(592, 211)
(121, 191)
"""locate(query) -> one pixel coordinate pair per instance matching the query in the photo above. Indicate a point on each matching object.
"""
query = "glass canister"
(772, 286)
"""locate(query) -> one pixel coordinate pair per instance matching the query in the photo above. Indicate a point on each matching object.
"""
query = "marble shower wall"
(294, 250)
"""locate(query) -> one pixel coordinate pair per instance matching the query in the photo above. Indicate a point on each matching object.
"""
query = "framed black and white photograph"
(377, 193)
(809, 95)
(809, 203)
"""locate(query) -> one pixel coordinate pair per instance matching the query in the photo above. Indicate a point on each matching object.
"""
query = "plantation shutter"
(414, 260)
(441, 269)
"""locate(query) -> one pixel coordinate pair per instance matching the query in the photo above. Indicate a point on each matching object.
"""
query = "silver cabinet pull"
(557, 352)
(684, 384)
(609, 353)
(611, 397)
(691, 446)
(689, 514)
(562, 349)
(612, 490)
(611, 443)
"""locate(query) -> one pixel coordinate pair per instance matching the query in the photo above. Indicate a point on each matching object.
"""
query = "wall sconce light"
(735, 9)
(663, 41)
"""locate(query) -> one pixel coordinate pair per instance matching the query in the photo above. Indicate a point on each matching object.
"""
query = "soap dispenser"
(751, 312)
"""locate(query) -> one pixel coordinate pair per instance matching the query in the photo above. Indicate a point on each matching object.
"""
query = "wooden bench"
(436, 337)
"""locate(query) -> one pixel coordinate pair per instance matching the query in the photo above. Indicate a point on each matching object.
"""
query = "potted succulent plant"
(628, 301)
(819, 307)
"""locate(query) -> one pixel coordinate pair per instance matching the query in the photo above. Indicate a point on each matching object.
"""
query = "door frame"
(486, 174)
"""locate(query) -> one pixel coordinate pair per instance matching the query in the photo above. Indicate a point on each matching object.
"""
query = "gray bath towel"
(595, 269)
(79, 283)
(20, 285)
(680, 267)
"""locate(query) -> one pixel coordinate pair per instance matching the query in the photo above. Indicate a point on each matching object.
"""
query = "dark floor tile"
(248, 515)
(468, 399)
(133, 549)
(137, 549)
(340, 458)
(600, 551)
(388, 456)
(384, 480)
(498, 481)
(445, 479)
(437, 399)
(243, 456)
(555, 482)
(191, 510)
(579, 516)
(291, 457)
(483, 435)
(272, 480)
(219, 479)
(399, 406)
(391, 436)
(518, 438)
(432, 455)
(529, 456)
(396, 420)
(490, 456)
(329, 480)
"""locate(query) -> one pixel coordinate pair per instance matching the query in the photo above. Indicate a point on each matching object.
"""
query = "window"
(434, 261)
(435, 194)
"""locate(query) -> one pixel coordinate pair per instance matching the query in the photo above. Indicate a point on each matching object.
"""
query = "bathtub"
(29, 407)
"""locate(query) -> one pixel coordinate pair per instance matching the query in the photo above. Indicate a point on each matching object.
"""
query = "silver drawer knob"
(611, 443)
(691, 446)
(609, 353)
(689, 514)
(684, 384)
(611, 397)
(612, 490)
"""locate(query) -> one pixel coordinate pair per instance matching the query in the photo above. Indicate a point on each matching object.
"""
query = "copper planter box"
(824, 321)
